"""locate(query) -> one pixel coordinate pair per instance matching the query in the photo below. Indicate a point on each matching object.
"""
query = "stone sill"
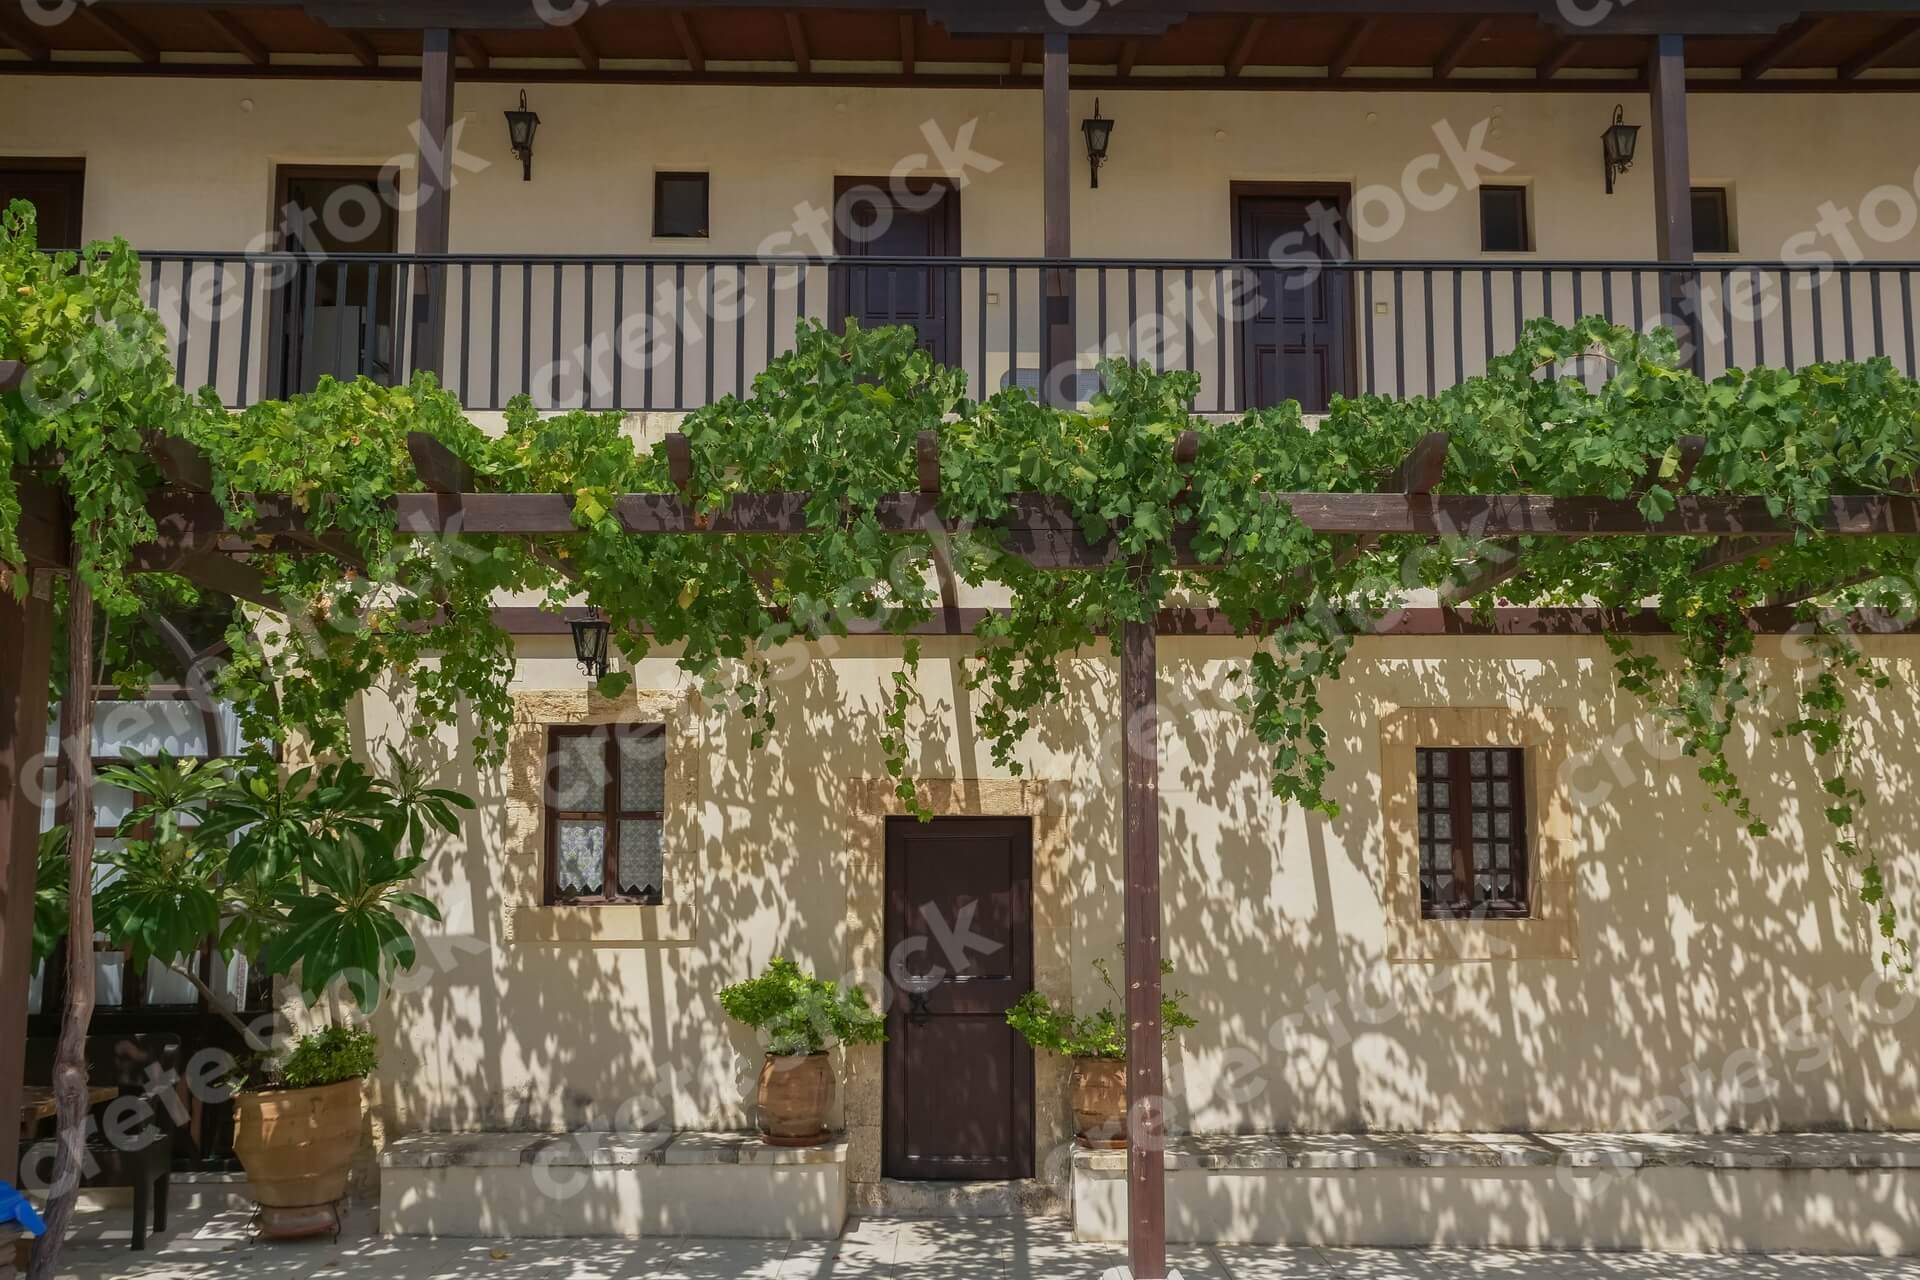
(595, 1148)
(615, 925)
(1252, 1152)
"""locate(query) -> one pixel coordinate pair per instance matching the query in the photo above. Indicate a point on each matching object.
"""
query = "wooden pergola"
(197, 542)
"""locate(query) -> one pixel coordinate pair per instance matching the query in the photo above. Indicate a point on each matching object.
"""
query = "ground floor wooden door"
(898, 224)
(959, 933)
(1295, 341)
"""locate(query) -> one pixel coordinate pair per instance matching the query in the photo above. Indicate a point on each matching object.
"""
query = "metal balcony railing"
(675, 333)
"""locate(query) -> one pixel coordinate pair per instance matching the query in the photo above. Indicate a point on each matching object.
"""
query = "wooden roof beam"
(1882, 50)
(689, 46)
(360, 47)
(1462, 45)
(1349, 50)
(476, 52)
(237, 35)
(1016, 57)
(797, 41)
(1787, 44)
(22, 36)
(583, 46)
(122, 32)
(1558, 60)
(906, 44)
(1243, 48)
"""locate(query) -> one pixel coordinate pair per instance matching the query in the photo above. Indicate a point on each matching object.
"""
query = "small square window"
(1473, 839)
(680, 204)
(1712, 220)
(605, 806)
(1503, 220)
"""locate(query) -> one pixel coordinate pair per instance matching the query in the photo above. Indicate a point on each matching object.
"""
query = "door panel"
(921, 219)
(1295, 339)
(959, 1080)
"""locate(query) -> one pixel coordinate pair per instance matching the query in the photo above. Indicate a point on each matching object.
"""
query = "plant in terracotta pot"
(1097, 1044)
(310, 874)
(800, 1017)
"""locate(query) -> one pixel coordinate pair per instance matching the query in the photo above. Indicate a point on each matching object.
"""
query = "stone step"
(1024, 1198)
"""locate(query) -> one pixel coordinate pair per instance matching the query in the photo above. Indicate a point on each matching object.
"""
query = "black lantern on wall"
(520, 128)
(590, 642)
(1620, 141)
(1099, 131)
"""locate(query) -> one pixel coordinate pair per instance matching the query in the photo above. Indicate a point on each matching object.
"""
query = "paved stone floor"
(218, 1247)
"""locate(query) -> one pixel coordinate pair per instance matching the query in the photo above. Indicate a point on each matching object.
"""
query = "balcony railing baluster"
(254, 326)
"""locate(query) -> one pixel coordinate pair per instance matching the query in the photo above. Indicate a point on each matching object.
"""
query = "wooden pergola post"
(432, 215)
(1140, 841)
(25, 674)
(1673, 188)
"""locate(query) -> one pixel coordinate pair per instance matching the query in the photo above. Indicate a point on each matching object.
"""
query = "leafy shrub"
(800, 1013)
(1101, 1034)
(329, 1056)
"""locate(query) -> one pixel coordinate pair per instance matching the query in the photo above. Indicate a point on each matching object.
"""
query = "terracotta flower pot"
(795, 1096)
(1100, 1103)
(297, 1145)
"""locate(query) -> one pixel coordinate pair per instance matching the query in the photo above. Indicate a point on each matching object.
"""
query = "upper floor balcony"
(1292, 199)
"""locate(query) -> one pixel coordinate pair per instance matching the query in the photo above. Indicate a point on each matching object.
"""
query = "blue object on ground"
(17, 1210)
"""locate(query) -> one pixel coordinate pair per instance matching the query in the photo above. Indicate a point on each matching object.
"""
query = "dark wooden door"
(913, 218)
(1295, 338)
(959, 1081)
(55, 189)
(334, 316)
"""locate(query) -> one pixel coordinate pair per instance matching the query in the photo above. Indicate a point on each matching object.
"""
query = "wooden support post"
(1140, 825)
(1058, 358)
(1673, 191)
(432, 218)
(70, 1057)
(24, 679)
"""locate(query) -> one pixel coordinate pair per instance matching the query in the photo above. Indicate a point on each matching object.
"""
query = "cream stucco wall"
(1694, 952)
(186, 164)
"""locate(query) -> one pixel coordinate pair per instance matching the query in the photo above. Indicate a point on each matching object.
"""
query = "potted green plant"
(800, 1016)
(310, 873)
(1097, 1044)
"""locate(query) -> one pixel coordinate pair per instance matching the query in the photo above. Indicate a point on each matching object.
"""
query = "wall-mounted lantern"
(1099, 131)
(1619, 141)
(590, 642)
(520, 127)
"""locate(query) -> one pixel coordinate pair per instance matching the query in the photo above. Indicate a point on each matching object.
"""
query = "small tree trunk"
(70, 1057)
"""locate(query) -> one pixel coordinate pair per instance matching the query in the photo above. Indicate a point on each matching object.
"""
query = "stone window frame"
(1551, 932)
(529, 920)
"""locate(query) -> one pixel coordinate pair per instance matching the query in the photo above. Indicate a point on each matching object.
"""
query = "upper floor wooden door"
(913, 218)
(959, 934)
(55, 188)
(1295, 339)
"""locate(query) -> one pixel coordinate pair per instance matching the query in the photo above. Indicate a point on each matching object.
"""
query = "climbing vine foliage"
(1588, 410)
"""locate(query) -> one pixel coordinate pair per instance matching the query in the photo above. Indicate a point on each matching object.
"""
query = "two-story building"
(625, 204)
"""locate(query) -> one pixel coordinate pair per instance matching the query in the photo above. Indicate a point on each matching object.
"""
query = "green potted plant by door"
(311, 873)
(1097, 1044)
(800, 1016)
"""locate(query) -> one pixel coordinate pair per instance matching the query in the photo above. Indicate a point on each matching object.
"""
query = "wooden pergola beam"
(1506, 561)
(237, 35)
(13, 375)
(1418, 474)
